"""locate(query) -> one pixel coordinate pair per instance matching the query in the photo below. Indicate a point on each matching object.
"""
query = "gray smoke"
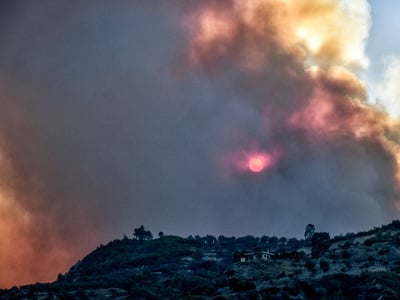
(104, 127)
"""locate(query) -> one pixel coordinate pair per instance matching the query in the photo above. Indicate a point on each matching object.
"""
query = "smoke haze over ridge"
(116, 115)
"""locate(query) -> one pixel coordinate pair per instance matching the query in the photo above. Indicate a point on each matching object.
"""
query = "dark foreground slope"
(358, 266)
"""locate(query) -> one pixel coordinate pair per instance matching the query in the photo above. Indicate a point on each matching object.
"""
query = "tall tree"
(309, 232)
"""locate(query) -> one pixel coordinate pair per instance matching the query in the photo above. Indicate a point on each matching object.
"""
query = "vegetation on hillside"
(365, 265)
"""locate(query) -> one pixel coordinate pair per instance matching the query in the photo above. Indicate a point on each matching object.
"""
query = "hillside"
(365, 265)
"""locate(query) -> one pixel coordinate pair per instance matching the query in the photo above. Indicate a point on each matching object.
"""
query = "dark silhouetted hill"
(365, 265)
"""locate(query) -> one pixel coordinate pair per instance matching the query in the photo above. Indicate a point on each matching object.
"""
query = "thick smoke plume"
(297, 63)
(119, 114)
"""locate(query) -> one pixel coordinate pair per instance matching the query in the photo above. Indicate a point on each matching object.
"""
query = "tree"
(273, 241)
(264, 239)
(200, 241)
(247, 242)
(210, 240)
(142, 234)
(309, 232)
(320, 243)
(324, 265)
(292, 244)
(227, 242)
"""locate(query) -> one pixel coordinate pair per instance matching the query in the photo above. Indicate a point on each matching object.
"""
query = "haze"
(119, 114)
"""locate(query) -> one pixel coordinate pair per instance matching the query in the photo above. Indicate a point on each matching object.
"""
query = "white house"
(256, 255)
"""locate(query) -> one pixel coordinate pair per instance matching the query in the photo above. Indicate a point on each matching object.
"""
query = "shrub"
(219, 297)
(308, 290)
(251, 295)
(368, 243)
(324, 265)
(310, 265)
(346, 254)
(383, 251)
(270, 291)
(241, 285)
(80, 294)
(320, 243)
(139, 293)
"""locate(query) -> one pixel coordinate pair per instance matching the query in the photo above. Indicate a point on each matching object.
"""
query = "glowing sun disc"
(256, 164)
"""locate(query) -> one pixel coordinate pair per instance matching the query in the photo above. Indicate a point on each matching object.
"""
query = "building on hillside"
(256, 255)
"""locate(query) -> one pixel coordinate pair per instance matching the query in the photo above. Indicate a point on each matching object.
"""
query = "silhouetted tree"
(320, 243)
(292, 244)
(227, 242)
(309, 232)
(247, 242)
(160, 234)
(264, 239)
(210, 240)
(282, 241)
(142, 234)
(273, 240)
(200, 241)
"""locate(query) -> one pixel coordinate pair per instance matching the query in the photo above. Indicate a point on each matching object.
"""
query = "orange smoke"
(33, 246)
(310, 51)
(30, 251)
(296, 62)
(317, 32)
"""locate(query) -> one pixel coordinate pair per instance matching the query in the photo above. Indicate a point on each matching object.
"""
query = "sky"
(204, 117)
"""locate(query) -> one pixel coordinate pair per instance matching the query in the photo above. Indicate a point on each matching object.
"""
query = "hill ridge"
(364, 265)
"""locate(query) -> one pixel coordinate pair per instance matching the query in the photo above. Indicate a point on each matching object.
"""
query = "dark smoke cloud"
(104, 126)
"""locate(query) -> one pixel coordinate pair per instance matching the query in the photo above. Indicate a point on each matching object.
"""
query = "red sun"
(257, 163)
